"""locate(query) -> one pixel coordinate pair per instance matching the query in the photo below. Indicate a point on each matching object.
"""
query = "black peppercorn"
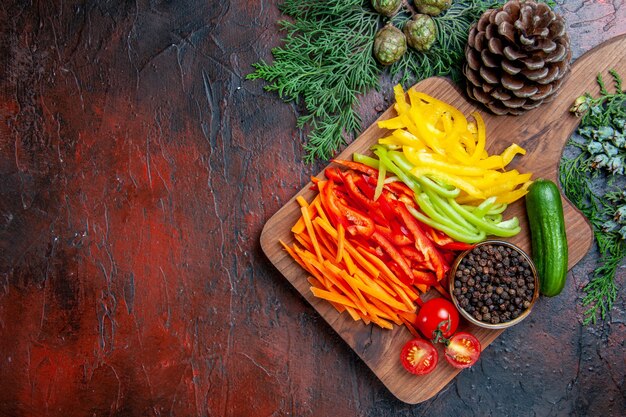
(494, 283)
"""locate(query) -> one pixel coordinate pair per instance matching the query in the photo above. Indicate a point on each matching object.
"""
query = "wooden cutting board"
(543, 132)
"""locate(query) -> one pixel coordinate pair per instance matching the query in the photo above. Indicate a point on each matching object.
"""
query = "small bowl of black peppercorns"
(494, 285)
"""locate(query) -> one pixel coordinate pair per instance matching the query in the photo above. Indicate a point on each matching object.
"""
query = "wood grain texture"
(543, 132)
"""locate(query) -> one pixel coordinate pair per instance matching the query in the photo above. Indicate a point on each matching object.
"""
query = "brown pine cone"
(517, 56)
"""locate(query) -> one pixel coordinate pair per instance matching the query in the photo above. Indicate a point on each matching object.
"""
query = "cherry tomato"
(419, 356)
(437, 314)
(463, 350)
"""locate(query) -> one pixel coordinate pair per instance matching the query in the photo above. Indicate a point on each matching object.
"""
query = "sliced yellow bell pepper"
(401, 105)
(439, 105)
(408, 139)
(428, 160)
(481, 138)
(443, 145)
(507, 185)
(392, 124)
(468, 140)
(390, 141)
(458, 153)
(511, 196)
(427, 132)
(446, 122)
(491, 162)
(495, 178)
(510, 152)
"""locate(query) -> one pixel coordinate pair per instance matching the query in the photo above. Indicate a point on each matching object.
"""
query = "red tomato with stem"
(437, 314)
(419, 356)
(462, 350)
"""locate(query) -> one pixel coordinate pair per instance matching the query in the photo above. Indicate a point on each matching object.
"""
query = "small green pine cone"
(387, 8)
(420, 32)
(389, 45)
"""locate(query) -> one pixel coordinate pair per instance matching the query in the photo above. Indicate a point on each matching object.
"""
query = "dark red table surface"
(137, 169)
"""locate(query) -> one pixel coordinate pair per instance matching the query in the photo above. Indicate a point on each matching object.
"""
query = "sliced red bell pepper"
(415, 256)
(396, 238)
(448, 256)
(352, 219)
(334, 174)
(362, 197)
(444, 241)
(396, 256)
(408, 201)
(385, 205)
(370, 180)
(424, 277)
(457, 246)
(357, 166)
(359, 222)
(422, 242)
(399, 273)
(366, 188)
(394, 220)
(356, 194)
(399, 188)
(438, 237)
(328, 202)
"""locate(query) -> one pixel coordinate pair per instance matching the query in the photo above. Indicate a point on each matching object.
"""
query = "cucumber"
(548, 239)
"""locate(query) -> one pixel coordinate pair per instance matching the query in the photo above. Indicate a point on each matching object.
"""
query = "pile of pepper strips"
(382, 230)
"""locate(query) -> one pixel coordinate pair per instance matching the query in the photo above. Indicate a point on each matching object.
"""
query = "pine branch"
(587, 182)
(326, 62)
